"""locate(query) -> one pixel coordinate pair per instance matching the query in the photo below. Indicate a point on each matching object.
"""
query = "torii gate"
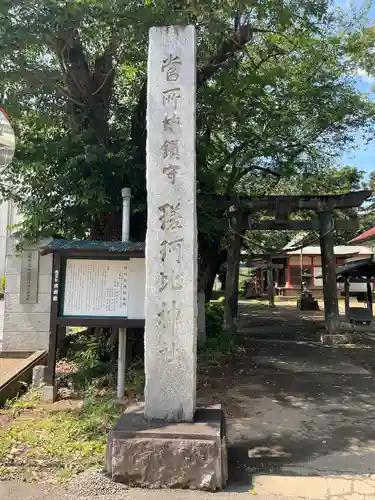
(281, 208)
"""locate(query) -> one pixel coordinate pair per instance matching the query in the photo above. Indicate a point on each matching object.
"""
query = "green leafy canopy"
(274, 101)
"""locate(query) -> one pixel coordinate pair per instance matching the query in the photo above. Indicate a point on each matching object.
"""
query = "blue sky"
(363, 156)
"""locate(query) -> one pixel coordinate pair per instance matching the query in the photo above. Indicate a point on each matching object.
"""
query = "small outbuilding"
(360, 271)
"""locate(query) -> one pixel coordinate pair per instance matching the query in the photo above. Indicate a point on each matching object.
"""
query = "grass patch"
(37, 444)
(56, 442)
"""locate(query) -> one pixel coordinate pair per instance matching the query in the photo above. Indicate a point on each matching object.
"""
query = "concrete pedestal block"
(156, 454)
(342, 338)
(49, 394)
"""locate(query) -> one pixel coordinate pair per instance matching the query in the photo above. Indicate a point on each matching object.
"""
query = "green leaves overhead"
(274, 101)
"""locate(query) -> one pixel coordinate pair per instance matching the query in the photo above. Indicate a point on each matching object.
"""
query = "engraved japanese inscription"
(173, 246)
(171, 98)
(29, 277)
(170, 216)
(167, 318)
(171, 150)
(171, 65)
(171, 300)
(171, 124)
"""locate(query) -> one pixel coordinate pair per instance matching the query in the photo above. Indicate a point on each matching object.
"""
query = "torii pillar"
(331, 308)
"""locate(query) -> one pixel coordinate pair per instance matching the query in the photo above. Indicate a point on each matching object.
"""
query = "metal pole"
(369, 295)
(121, 362)
(347, 297)
(126, 195)
(300, 270)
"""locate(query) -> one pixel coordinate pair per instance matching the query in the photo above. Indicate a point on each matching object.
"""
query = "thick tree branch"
(228, 48)
(104, 70)
(266, 170)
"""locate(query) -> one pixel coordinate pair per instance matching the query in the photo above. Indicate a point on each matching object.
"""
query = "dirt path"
(294, 407)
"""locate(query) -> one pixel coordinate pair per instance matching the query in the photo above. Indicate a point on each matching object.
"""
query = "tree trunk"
(331, 308)
(211, 258)
(108, 227)
(233, 268)
(213, 268)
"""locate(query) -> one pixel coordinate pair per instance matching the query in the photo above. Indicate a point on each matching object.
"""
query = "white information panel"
(96, 288)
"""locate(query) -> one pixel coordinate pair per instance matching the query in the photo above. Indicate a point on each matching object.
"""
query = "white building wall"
(23, 327)
(4, 222)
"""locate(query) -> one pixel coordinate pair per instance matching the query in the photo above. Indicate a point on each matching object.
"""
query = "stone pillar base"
(49, 394)
(39, 376)
(334, 339)
(157, 454)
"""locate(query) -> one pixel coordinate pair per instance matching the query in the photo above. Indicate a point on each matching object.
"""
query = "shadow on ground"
(294, 407)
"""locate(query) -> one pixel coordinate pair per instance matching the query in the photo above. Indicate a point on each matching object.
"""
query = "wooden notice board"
(96, 288)
(95, 284)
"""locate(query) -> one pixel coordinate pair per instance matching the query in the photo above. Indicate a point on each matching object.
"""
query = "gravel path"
(95, 486)
(19, 491)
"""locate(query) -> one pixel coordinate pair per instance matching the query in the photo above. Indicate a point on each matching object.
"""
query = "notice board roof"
(356, 269)
(93, 247)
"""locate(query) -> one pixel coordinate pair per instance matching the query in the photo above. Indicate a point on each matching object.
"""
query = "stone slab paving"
(8, 367)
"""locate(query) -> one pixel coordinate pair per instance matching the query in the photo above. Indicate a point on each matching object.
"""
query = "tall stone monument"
(166, 442)
(171, 242)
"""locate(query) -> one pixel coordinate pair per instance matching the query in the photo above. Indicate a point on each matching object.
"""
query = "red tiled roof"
(364, 236)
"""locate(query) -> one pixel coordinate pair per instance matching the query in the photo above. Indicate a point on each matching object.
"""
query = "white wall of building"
(4, 222)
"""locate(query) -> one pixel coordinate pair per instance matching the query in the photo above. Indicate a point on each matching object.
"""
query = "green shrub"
(218, 341)
(90, 370)
(242, 288)
(214, 319)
